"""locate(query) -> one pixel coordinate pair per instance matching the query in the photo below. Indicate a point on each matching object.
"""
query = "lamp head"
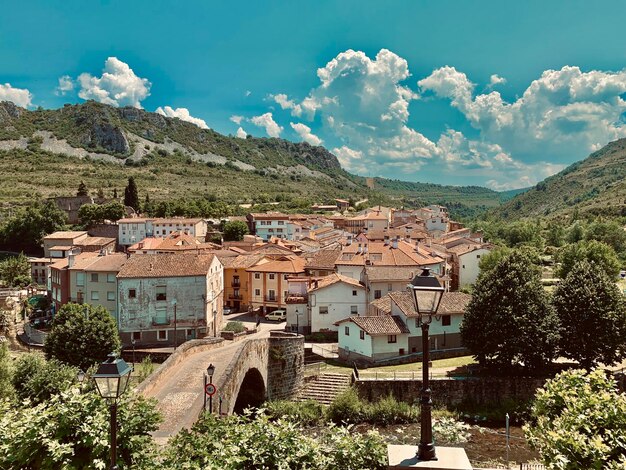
(112, 377)
(426, 293)
(210, 370)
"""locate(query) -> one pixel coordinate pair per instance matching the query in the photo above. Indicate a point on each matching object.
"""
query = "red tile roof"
(379, 325)
(167, 265)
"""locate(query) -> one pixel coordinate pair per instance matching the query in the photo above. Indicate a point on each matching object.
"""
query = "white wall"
(468, 266)
(353, 342)
(338, 299)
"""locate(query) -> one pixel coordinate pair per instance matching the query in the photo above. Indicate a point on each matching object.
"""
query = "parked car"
(277, 315)
(227, 310)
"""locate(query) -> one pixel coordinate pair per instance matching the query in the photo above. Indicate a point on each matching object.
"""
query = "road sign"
(210, 389)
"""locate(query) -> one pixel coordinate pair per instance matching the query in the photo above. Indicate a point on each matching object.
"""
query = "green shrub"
(307, 413)
(388, 410)
(38, 379)
(235, 326)
(347, 408)
(144, 369)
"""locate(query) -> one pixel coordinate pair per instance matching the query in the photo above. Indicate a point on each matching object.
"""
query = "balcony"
(235, 297)
(235, 283)
(161, 321)
(296, 298)
(270, 298)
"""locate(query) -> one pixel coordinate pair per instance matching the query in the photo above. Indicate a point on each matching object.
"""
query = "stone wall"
(450, 392)
(285, 365)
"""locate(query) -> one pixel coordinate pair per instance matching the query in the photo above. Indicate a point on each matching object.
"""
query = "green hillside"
(594, 186)
(48, 152)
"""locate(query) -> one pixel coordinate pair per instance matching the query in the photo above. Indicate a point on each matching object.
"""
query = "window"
(132, 294)
(389, 287)
(354, 309)
(362, 334)
(162, 335)
(271, 294)
(392, 339)
(257, 275)
(477, 256)
(281, 222)
(94, 277)
(354, 293)
(110, 295)
(445, 320)
(95, 295)
(272, 276)
(137, 335)
(80, 279)
(463, 266)
(377, 294)
(160, 293)
(323, 310)
(110, 277)
(279, 230)
(285, 276)
(257, 292)
(347, 331)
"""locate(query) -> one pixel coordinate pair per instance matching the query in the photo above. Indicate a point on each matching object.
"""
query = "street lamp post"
(111, 379)
(427, 293)
(297, 321)
(209, 373)
(214, 325)
(133, 342)
(175, 325)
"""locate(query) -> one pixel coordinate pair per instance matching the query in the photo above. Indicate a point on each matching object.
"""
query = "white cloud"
(348, 158)
(236, 119)
(563, 114)
(182, 114)
(118, 85)
(305, 134)
(241, 133)
(495, 80)
(19, 96)
(267, 122)
(286, 103)
(66, 84)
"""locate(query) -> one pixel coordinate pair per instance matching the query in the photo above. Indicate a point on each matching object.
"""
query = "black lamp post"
(209, 373)
(297, 321)
(111, 380)
(426, 292)
(175, 325)
(214, 325)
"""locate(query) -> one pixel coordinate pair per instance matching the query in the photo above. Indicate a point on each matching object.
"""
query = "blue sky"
(499, 94)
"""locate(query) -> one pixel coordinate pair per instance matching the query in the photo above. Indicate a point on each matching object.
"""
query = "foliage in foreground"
(579, 422)
(15, 271)
(244, 442)
(38, 380)
(82, 335)
(71, 431)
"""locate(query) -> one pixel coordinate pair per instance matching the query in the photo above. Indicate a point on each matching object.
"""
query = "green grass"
(452, 362)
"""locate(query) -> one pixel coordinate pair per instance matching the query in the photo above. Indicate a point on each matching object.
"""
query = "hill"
(48, 152)
(591, 187)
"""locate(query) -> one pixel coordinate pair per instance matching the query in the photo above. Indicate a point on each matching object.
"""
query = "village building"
(236, 280)
(268, 282)
(135, 229)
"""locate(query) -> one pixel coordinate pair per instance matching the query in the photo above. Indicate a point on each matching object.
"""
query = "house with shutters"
(268, 282)
(170, 297)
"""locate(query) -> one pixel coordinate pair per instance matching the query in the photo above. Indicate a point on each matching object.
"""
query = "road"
(180, 393)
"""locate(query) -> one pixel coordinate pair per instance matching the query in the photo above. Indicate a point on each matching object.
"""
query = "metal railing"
(235, 296)
(532, 466)
(235, 283)
(270, 298)
(161, 321)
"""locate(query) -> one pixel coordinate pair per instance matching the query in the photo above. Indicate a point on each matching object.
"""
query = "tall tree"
(594, 251)
(131, 195)
(509, 319)
(15, 271)
(82, 335)
(235, 230)
(82, 189)
(579, 422)
(592, 312)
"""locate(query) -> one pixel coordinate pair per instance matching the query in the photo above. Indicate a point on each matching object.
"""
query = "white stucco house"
(372, 338)
(333, 298)
(465, 263)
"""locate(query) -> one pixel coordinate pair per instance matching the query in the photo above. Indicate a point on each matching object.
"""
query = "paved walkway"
(180, 393)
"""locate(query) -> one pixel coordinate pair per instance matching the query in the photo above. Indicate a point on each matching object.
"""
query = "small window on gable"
(323, 310)
(94, 277)
(161, 293)
(392, 339)
(362, 334)
(347, 331)
(132, 294)
(354, 292)
(257, 275)
(445, 320)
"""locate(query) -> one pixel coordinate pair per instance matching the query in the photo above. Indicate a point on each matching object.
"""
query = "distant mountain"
(593, 186)
(48, 152)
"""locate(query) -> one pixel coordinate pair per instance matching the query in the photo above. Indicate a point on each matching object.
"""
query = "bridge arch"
(252, 391)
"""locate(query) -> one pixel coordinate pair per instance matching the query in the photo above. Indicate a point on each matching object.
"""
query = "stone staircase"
(324, 388)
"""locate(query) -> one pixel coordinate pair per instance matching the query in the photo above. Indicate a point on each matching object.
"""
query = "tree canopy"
(82, 335)
(509, 319)
(235, 230)
(25, 230)
(15, 271)
(579, 422)
(131, 194)
(600, 253)
(592, 312)
(97, 214)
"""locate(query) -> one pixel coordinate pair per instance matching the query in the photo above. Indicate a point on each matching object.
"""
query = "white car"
(277, 315)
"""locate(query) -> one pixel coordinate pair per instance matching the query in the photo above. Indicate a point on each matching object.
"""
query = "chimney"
(407, 238)
(349, 242)
(71, 258)
(359, 249)
(365, 248)
(386, 240)
(394, 243)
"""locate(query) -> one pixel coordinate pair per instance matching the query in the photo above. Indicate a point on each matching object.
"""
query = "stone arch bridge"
(247, 372)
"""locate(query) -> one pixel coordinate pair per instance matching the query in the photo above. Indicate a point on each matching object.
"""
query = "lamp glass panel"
(107, 386)
(124, 382)
(427, 301)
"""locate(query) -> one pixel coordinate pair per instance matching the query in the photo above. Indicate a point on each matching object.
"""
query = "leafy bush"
(144, 369)
(243, 442)
(307, 413)
(235, 326)
(37, 379)
(347, 408)
(388, 410)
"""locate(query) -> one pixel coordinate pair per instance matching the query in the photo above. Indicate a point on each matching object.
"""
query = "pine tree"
(131, 195)
(114, 193)
(82, 189)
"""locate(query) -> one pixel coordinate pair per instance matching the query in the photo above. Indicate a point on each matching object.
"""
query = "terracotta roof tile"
(64, 235)
(383, 304)
(334, 279)
(324, 259)
(392, 273)
(451, 302)
(288, 265)
(379, 325)
(167, 265)
(107, 263)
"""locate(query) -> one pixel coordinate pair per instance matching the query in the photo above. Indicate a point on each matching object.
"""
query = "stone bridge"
(263, 366)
